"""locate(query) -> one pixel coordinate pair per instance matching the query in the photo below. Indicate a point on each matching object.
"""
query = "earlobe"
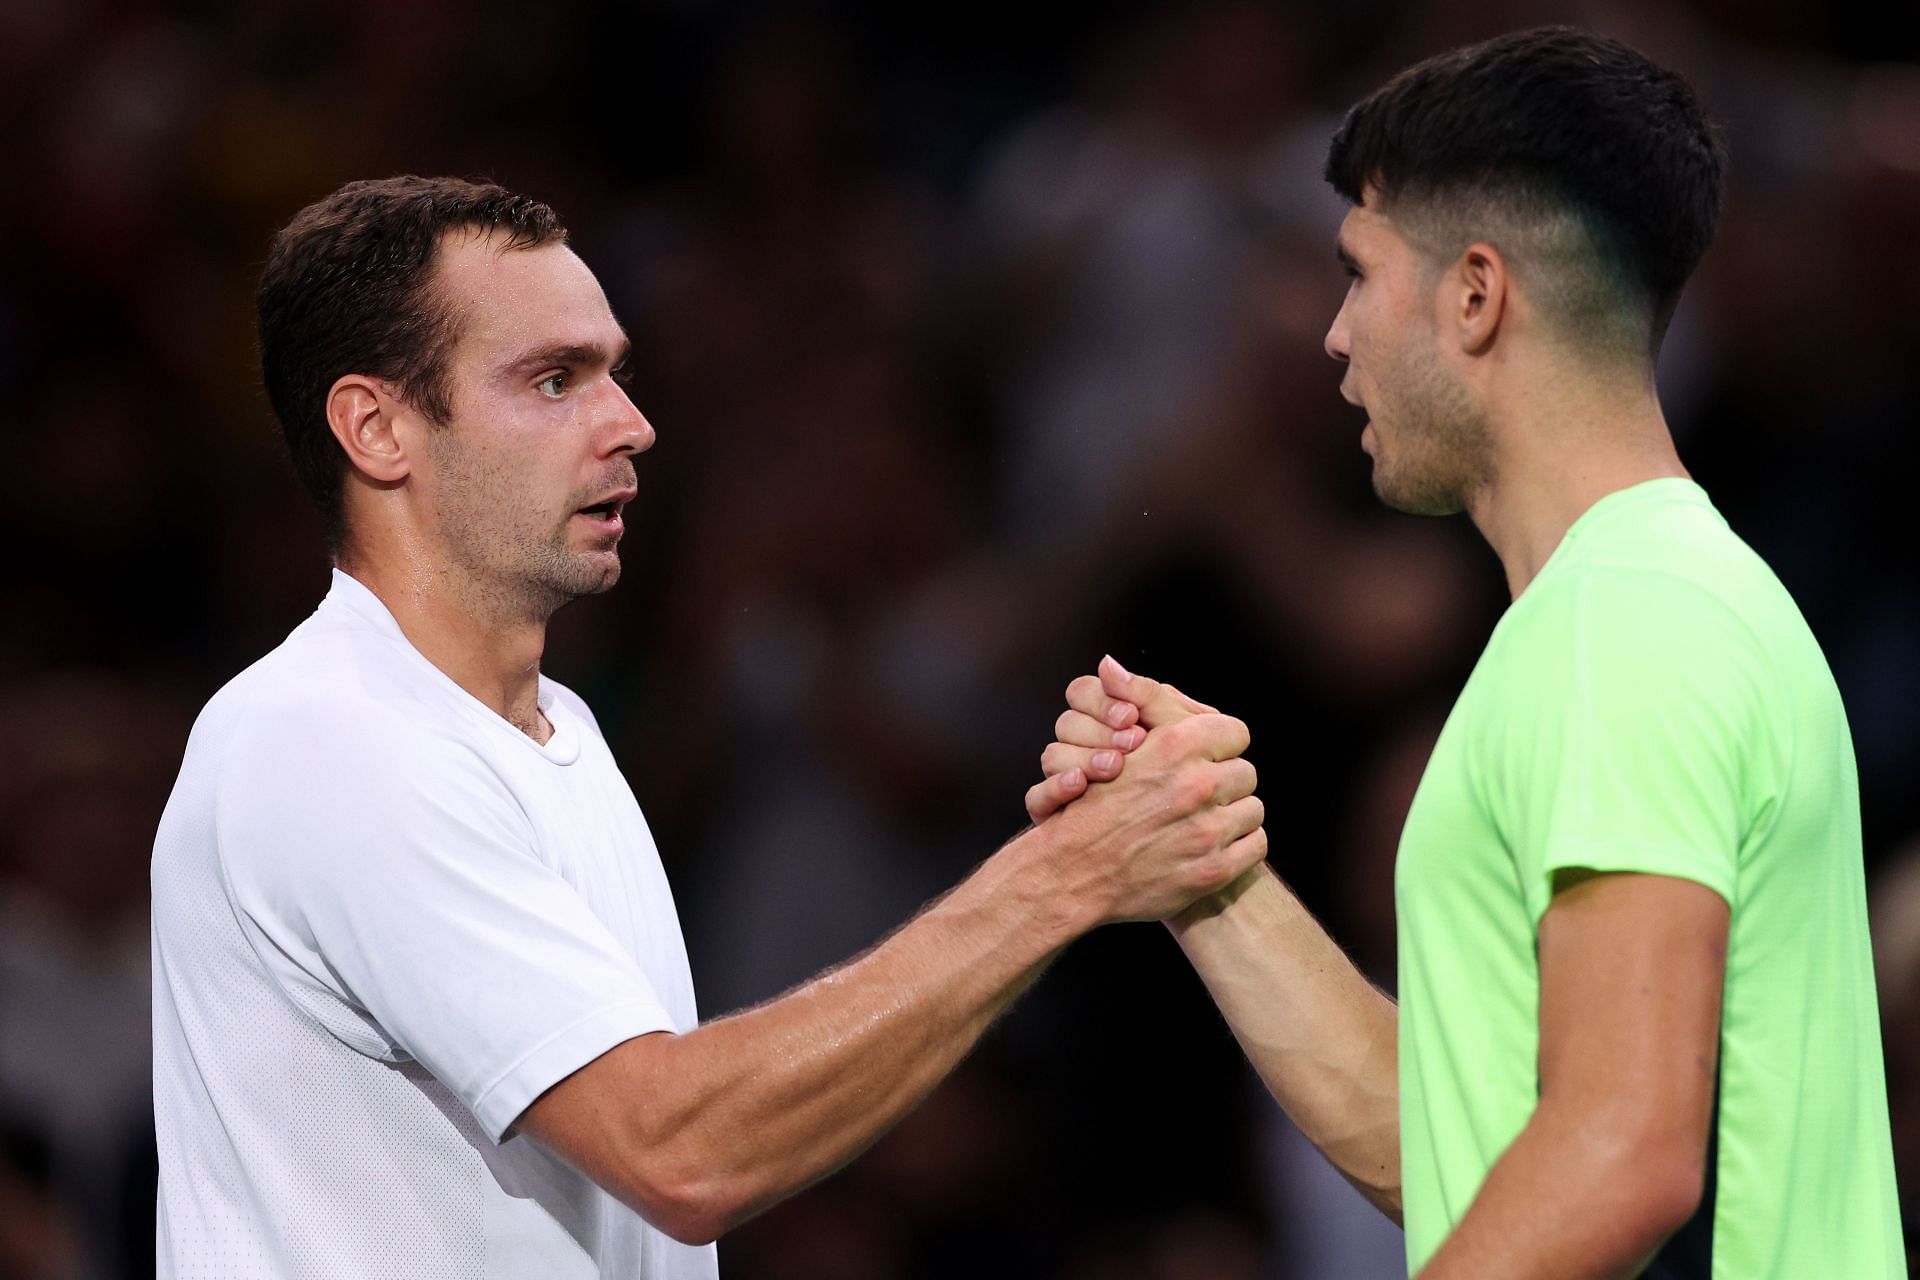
(361, 412)
(1483, 297)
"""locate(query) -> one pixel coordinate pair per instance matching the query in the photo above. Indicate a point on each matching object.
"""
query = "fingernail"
(1104, 760)
(1117, 714)
(1126, 739)
(1125, 675)
(1073, 778)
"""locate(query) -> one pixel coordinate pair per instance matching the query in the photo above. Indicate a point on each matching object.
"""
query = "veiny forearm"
(1322, 1037)
(750, 1108)
(1577, 1196)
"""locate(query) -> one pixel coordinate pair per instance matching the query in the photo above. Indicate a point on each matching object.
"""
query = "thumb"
(1160, 704)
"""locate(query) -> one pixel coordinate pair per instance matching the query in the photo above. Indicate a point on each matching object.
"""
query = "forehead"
(509, 299)
(1366, 232)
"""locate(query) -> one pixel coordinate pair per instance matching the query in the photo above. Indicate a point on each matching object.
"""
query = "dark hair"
(1549, 123)
(348, 289)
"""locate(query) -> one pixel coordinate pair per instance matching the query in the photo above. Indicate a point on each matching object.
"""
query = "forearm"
(1575, 1197)
(1322, 1037)
(702, 1130)
(750, 1108)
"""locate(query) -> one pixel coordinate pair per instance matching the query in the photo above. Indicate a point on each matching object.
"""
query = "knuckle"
(1192, 789)
(1083, 690)
(1220, 728)
(1181, 737)
(1222, 830)
(1252, 810)
(1202, 874)
(1248, 851)
(1064, 725)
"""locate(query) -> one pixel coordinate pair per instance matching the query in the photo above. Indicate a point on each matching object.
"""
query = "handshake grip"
(1149, 795)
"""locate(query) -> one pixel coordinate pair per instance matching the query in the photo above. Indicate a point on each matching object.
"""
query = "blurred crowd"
(980, 343)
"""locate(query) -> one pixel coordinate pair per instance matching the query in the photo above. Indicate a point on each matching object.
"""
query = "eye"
(623, 375)
(552, 386)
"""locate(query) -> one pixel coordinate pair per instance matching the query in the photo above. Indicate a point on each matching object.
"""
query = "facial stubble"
(514, 559)
(1437, 451)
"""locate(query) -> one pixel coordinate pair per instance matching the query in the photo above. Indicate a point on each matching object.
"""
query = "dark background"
(980, 341)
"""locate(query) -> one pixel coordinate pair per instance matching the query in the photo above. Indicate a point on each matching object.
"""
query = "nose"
(627, 430)
(1338, 334)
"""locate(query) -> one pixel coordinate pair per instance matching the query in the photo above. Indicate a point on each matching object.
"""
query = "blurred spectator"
(85, 762)
(39, 1239)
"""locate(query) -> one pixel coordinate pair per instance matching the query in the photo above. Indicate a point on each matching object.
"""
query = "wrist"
(1214, 904)
(1032, 873)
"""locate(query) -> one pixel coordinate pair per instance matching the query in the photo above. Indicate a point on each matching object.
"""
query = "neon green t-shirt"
(1654, 702)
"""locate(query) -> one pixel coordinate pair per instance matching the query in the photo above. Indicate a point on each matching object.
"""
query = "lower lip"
(603, 525)
(1366, 437)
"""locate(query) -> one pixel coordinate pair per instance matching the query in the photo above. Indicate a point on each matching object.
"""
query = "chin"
(1430, 500)
(584, 574)
(601, 575)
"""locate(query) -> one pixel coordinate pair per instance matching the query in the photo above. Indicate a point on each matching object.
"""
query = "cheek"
(488, 479)
(1363, 325)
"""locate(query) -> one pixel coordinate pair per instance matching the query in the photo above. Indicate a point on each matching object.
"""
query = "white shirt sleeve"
(392, 884)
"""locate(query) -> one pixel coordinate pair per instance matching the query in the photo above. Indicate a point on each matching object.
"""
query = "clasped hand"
(1156, 783)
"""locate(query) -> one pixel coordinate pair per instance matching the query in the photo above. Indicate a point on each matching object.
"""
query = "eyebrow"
(572, 355)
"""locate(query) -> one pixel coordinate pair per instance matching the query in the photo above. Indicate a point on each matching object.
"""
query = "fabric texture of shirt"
(1654, 702)
(384, 922)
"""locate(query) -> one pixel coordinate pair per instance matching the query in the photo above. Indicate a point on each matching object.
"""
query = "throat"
(533, 722)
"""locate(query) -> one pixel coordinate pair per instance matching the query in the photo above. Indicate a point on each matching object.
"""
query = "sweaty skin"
(474, 530)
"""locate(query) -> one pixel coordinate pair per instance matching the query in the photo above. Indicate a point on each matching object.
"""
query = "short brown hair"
(347, 289)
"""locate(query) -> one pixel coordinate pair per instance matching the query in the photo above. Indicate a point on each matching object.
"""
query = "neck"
(485, 641)
(1560, 448)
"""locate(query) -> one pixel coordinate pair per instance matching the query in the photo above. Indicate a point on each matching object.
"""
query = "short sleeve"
(1636, 734)
(394, 888)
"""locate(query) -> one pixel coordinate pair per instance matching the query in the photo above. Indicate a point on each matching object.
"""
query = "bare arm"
(701, 1131)
(1612, 1162)
(1324, 1039)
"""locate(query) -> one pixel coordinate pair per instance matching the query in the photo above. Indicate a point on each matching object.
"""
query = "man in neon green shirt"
(1637, 1031)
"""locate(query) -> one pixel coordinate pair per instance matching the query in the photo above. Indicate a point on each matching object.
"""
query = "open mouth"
(606, 512)
(604, 518)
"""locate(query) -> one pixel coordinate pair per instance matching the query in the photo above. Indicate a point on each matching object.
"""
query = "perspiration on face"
(344, 292)
(536, 428)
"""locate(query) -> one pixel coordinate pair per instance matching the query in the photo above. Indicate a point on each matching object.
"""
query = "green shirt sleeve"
(1637, 735)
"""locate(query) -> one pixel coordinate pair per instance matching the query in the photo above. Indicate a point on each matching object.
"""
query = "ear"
(1481, 293)
(363, 414)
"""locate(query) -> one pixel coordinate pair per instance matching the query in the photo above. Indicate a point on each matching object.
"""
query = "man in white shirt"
(421, 1002)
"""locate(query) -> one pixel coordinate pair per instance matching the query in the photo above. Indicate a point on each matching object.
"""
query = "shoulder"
(1610, 654)
(337, 717)
(1665, 615)
(323, 690)
(1672, 564)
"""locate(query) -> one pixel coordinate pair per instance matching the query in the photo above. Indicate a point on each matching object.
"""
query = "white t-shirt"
(384, 921)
